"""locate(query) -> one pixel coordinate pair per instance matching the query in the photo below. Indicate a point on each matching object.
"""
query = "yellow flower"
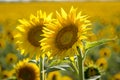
(91, 72)
(91, 69)
(11, 58)
(28, 35)
(62, 36)
(102, 63)
(27, 71)
(9, 35)
(9, 30)
(105, 52)
(116, 77)
(55, 75)
(6, 74)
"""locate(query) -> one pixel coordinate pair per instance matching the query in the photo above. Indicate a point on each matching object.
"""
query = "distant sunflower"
(102, 63)
(28, 34)
(27, 71)
(92, 70)
(116, 76)
(105, 52)
(11, 58)
(55, 75)
(62, 36)
(7, 74)
(9, 35)
(8, 30)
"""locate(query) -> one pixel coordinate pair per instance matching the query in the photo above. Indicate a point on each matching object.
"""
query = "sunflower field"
(59, 40)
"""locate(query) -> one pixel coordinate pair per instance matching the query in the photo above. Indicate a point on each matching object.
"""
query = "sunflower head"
(91, 70)
(11, 58)
(105, 52)
(27, 71)
(62, 36)
(102, 63)
(116, 76)
(55, 75)
(28, 33)
(7, 74)
(9, 35)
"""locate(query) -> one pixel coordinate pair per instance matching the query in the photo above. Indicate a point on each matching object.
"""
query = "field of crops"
(105, 20)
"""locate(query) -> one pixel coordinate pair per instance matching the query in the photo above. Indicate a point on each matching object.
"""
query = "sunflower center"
(54, 77)
(5, 76)
(26, 73)
(91, 72)
(105, 54)
(11, 59)
(66, 37)
(101, 65)
(34, 35)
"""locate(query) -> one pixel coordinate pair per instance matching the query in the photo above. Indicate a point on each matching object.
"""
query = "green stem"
(41, 68)
(80, 62)
(75, 67)
(81, 68)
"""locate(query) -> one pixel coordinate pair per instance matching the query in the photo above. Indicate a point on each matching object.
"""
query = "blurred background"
(104, 15)
(55, 0)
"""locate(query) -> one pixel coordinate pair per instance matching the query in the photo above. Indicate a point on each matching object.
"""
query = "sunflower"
(11, 58)
(102, 63)
(92, 70)
(27, 71)
(7, 74)
(28, 34)
(105, 52)
(55, 75)
(62, 36)
(116, 76)
(9, 35)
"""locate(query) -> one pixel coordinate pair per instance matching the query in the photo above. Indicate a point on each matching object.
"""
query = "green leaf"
(94, 78)
(58, 62)
(89, 45)
(11, 78)
(33, 61)
(58, 67)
